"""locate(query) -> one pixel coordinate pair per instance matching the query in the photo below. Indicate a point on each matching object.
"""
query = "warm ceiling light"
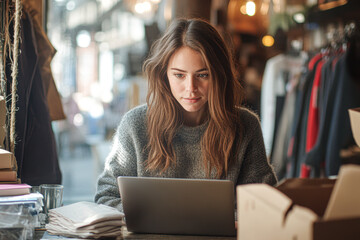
(268, 41)
(243, 9)
(246, 16)
(250, 8)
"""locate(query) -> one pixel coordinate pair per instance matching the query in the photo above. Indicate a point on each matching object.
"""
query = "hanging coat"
(35, 146)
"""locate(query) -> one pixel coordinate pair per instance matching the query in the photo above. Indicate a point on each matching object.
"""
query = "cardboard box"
(355, 124)
(311, 209)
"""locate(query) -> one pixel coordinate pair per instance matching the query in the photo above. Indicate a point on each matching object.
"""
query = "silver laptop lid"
(178, 206)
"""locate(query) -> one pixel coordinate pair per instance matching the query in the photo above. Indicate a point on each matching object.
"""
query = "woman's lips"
(192, 100)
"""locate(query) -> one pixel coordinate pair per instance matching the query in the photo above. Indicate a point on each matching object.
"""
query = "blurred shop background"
(101, 45)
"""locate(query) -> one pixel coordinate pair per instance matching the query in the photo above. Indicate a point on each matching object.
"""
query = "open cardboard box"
(313, 209)
(301, 208)
(355, 124)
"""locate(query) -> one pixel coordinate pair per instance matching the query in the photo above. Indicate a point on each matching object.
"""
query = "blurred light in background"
(250, 8)
(142, 7)
(78, 120)
(299, 17)
(268, 41)
(106, 71)
(296, 44)
(89, 105)
(83, 39)
(248, 16)
(243, 9)
(70, 5)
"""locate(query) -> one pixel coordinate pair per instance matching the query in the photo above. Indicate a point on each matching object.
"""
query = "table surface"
(42, 234)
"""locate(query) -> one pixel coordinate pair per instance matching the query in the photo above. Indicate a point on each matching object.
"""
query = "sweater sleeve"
(120, 162)
(255, 166)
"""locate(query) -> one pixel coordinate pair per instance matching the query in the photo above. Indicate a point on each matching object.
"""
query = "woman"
(192, 125)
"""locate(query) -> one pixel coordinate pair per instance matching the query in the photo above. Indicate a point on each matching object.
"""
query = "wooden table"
(42, 234)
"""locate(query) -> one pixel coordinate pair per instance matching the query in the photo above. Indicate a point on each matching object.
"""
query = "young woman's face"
(189, 82)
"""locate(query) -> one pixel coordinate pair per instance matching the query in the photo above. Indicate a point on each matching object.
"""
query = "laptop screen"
(178, 206)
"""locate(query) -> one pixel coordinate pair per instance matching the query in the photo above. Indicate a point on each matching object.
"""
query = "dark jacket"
(35, 148)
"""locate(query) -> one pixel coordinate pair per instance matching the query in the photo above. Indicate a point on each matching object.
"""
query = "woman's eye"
(203, 75)
(179, 75)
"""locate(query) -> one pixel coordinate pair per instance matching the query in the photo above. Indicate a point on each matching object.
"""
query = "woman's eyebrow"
(201, 70)
(180, 70)
(177, 69)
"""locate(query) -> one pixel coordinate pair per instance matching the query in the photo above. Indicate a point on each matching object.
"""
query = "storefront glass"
(97, 69)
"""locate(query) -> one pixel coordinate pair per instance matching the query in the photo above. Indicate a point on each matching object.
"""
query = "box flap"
(299, 223)
(304, 183)
(345, 198)
(355, 124)
(264, 212)
(344, 229)
(312, 193)
(268, 194)
(263, 205)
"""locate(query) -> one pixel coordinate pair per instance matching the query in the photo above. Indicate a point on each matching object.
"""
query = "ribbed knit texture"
(128, 155)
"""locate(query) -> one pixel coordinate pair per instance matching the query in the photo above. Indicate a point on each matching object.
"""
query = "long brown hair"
(164, 112)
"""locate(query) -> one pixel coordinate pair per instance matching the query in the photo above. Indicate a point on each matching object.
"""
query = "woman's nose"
(191, 84)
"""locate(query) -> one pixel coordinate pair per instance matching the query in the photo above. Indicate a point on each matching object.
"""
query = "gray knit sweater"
(127, 156)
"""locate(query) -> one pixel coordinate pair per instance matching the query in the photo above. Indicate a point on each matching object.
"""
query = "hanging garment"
(284, 130)
(296, 147)
(346, 96)
(315, 158)
(312, 121)
(46, 53)
(273, 87)
(313, 118)
(35, 147)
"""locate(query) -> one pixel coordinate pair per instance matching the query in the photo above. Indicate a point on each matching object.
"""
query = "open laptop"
(178, 206)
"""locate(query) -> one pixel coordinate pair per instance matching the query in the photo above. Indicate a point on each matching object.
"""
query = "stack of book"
(14, 189)
(8, 173)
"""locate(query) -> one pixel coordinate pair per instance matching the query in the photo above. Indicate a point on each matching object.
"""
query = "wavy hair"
(164, 112)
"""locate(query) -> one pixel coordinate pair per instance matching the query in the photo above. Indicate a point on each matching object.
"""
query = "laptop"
(178, 206)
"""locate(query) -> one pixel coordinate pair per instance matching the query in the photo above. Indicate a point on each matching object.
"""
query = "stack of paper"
(85, 220)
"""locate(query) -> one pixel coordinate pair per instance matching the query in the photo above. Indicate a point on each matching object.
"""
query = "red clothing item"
(305, 171)
(313, 117)
(314, 60)
(311, 66)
